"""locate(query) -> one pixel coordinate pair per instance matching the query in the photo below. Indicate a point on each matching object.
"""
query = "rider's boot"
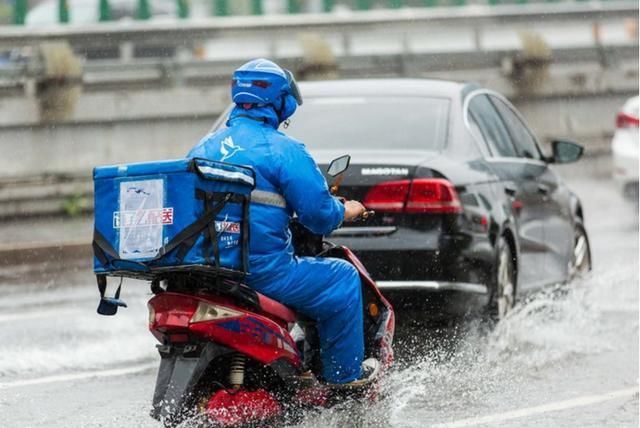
(370, 372)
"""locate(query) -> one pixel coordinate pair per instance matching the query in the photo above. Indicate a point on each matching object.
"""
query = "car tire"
(503, 284)
(580, 262)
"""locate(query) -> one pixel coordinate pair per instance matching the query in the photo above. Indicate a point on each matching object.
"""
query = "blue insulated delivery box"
(156, 215)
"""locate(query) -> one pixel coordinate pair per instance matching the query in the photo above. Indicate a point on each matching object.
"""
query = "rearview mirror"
(338, 165)
(566, 151)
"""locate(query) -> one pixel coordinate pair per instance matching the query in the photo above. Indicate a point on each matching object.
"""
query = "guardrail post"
(327, 5)
(63, 11)
(293, 6)
(105, 11)
(20, 12)
(220, 8)
(183, 9)
(477, 38)
(256, 7)
(143, 12)
(363, 4)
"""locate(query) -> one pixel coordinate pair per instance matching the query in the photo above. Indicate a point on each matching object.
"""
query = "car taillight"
(624, 120)
(433, 195)
(421, 195)
(389, 196)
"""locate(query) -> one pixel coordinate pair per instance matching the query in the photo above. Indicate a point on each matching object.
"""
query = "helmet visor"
(294, 87)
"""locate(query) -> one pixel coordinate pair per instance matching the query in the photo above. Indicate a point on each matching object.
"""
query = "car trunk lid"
(369, 168)
(386, 182)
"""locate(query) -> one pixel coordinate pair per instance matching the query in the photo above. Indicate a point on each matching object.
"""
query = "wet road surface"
(567, 357)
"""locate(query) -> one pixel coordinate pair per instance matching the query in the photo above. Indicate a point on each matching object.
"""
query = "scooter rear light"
(209, 312)
(178, 338)
(624, 120)
(171, 311)
(421, 195)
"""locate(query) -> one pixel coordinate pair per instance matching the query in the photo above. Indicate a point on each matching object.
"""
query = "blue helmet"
(263, 82)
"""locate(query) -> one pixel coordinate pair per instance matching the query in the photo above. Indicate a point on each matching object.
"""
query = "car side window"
(477, 135)
(491, 126)
(522, 138)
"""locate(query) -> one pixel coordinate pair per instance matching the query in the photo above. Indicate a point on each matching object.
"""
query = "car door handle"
(509, 190)
(543, 189)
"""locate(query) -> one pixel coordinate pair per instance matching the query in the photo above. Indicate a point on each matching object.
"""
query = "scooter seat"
(276, 309)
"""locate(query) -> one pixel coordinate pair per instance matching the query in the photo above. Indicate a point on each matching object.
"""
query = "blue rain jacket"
(327, 290)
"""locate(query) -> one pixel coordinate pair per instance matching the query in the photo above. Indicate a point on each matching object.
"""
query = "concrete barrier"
(115, 127)
(63, 254)
(45, 168)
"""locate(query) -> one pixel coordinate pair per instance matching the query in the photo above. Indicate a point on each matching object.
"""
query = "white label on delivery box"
(141, 218)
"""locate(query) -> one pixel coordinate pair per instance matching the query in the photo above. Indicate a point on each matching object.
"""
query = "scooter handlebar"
(367, 214)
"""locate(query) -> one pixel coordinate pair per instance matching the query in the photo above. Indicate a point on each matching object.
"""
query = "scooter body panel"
(257, 336)
(253, 335)
(386, 326)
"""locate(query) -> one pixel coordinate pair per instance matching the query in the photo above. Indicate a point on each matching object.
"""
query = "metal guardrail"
(181, 70)
(181, 33)
(163, 73)
(142, 10)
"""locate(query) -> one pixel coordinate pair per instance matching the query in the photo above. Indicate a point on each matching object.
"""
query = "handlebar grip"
(368, 214)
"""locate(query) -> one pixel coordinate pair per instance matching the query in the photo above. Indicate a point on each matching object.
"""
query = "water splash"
(61, 335)
(451, 371)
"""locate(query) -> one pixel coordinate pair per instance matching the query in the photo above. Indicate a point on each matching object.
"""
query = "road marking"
(545, 408)
(78, 376)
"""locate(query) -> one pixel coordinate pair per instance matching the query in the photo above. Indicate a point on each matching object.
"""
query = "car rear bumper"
(433, 286)
(386, 238)
(625, 158)
(425, 274)
(434, 300)
(405, 258)
(444, 302)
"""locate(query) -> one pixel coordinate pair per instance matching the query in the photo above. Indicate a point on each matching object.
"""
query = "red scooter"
(233, 357)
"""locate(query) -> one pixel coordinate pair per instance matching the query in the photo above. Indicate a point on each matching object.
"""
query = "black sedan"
(469, 210)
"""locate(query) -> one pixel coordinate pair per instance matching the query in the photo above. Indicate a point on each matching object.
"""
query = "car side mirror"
(565, 151)
(338, 165)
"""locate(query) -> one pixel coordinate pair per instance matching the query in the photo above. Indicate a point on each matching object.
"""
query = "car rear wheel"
(503, 289)
(581, 255)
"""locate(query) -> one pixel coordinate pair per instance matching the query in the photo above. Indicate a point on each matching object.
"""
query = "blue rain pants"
(325, 290)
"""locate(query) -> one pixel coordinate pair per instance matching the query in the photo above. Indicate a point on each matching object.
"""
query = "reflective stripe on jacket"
(283, 167)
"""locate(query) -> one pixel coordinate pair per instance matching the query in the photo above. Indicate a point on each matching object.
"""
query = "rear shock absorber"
(236, 373)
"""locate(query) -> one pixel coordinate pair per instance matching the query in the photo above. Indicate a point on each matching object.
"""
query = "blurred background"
(95, 82)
